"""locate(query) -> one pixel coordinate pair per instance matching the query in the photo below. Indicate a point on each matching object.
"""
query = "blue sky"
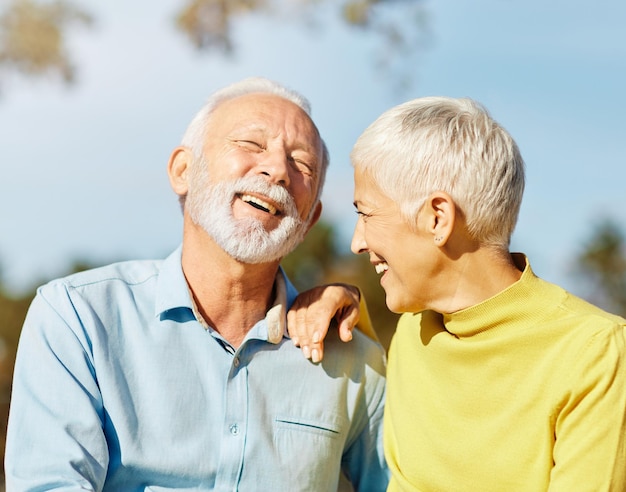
(83, 170)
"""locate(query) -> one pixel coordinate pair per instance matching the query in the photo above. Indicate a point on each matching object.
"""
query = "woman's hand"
(314, 311)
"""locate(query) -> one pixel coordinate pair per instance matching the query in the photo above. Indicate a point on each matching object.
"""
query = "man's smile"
(259, 203)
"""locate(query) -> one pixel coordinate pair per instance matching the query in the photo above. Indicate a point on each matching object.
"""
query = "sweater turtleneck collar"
(507, 307)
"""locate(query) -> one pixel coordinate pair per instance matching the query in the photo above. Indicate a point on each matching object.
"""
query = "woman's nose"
(358, 244)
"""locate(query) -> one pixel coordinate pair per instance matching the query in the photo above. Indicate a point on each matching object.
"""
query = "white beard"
(210, 206)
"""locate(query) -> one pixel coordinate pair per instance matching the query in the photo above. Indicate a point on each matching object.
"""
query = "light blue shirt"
(119, 387)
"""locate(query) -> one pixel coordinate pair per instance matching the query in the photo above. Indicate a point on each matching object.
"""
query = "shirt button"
(236, 361)
(234, 429)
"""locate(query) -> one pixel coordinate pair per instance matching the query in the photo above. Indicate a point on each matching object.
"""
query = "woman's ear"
(177, 169)
(441, 213)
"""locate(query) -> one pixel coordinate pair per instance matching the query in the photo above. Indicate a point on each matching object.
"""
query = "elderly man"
(178, 374)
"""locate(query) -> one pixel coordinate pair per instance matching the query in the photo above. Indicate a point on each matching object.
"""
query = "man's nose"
(275, 165)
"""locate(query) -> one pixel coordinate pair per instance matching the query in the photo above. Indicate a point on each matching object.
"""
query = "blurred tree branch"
(401, 25)
(602, 262)
(207, 23)
(32, 37)
(33, 33)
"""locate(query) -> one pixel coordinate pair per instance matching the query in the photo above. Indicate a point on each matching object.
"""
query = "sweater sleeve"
(590, 429)
(365, 325)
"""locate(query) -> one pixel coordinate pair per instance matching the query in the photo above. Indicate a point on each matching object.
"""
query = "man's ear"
(178, 169)
(317, 213)
(441, 216)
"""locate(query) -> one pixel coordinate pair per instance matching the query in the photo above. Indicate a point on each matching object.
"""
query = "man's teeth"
(258, 203)
(381, 267)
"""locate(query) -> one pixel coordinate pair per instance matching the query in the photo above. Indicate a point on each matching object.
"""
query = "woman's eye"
(362, 215)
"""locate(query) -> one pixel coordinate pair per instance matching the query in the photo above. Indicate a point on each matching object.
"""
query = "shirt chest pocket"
(309, 446)
(329, 426)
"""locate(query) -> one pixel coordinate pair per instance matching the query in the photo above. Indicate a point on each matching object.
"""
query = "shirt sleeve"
(364, 461)
(590, 445)
(55, 437)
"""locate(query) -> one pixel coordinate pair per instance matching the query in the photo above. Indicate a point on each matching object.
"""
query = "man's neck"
(231, 296)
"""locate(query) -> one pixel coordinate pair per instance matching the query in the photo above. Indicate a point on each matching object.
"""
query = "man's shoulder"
(95, 283)
(364, 342)
(361, 351)
(129, 272)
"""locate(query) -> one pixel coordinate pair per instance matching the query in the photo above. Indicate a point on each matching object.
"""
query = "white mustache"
(256, 184)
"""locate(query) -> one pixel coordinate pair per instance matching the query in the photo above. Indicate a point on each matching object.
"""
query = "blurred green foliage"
(12, 312)
(601, 265)
(33, 37)
(35, 34)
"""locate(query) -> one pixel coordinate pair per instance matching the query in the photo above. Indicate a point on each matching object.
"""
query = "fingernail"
(295, 341)
(315, 357)
(306, 351)
(316, 337)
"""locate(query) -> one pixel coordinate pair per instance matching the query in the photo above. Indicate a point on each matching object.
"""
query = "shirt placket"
(234, 427)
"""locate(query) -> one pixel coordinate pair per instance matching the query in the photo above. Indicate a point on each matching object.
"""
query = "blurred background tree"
(601, 266)
(33, 33)
(33, 38)
(12, 312)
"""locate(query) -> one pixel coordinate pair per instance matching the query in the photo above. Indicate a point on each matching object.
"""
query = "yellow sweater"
(523, 392)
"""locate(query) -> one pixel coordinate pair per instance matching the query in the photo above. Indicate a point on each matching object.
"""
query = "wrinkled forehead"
(269, 109)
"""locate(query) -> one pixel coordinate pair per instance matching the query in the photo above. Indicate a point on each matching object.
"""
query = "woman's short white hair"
(195, 135)
(444, 144)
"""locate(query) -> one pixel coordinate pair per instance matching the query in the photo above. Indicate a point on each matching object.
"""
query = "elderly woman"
(497, 379)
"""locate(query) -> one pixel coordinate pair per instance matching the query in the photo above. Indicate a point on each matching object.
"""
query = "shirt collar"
(276, 316)
(173, 294)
